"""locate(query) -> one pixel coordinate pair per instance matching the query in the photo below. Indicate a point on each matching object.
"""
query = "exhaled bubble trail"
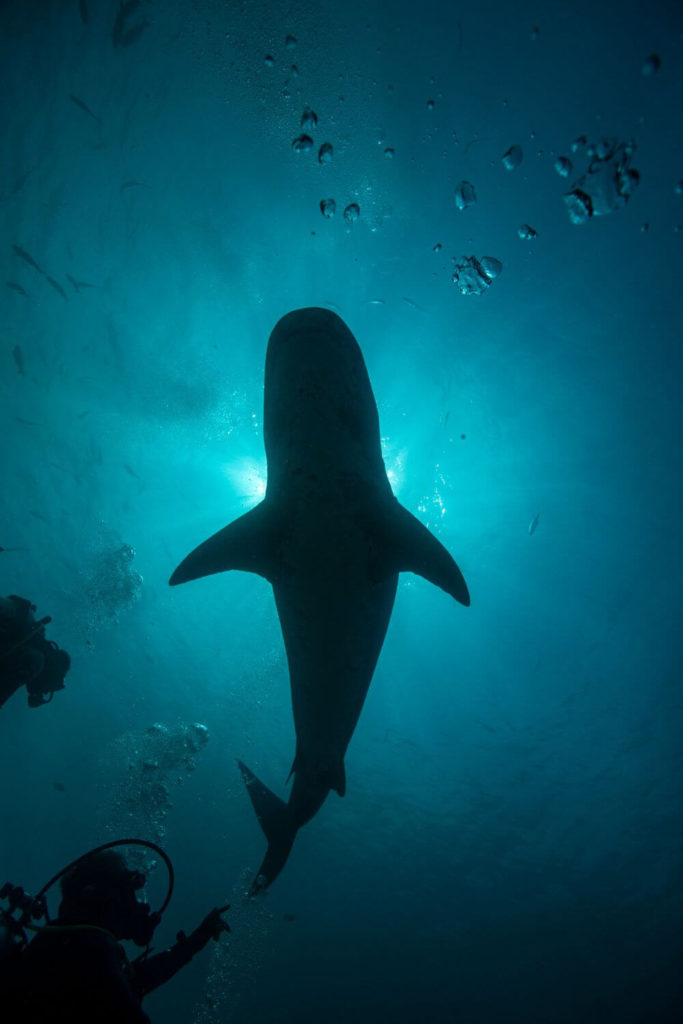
(236, 960)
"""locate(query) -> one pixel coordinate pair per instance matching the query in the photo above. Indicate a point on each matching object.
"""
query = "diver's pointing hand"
(214, 923)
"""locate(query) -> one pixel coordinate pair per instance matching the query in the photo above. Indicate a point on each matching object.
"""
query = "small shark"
(331, 538)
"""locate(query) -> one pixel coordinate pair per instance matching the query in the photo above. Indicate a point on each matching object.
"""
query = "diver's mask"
(135, 919)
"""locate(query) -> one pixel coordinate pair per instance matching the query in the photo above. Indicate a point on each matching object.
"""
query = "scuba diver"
(27, 658)
(75, 969)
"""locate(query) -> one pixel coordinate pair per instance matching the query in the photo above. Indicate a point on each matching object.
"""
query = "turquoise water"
(510, 844)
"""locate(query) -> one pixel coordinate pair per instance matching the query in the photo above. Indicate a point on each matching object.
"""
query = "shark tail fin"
(275, 819)
(404, 544)
(248, 543)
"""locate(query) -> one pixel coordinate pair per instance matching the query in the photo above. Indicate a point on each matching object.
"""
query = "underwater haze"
(505, 242)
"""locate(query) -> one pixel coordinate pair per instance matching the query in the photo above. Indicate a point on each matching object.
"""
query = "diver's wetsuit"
(81, 975)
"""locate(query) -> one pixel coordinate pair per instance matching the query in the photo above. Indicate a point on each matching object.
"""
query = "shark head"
(316, 384)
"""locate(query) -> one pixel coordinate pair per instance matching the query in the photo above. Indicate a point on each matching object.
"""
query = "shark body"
(331, 538)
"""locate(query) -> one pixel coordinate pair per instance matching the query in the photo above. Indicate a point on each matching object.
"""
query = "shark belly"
(334, 618)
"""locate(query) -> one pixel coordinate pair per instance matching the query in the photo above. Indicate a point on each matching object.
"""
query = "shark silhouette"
(331, 538)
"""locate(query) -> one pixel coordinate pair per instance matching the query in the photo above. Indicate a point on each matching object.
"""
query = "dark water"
(510, 845)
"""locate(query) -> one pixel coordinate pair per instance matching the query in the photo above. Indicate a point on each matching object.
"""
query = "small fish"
(57, 287)
(79, 284)
(132, 184)
(534, 523)
(130, 471)
(83, 8)
(19, 360)
(59, 786)
(289, 917)
(27, 258)
(134, 33)
(17, 288)
(13, 549)
(21, 181)
(84, 107)
(26, 423)
(121, 36)
(414, 304)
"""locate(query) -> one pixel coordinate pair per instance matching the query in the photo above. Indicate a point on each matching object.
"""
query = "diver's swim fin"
(274, 817)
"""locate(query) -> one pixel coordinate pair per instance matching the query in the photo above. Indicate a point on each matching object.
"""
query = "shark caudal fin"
(250, 543)
(274, 817)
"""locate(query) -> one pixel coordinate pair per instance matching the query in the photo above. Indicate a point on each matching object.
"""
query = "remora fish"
(57, 286)
(27, 258)
(18, 357)
(78, 285)
(122, 36)
(84, 107)
(331, 538)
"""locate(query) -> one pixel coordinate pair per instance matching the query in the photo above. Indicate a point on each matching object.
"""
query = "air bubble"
(465, 195)
(652, 64)
(302, 143)
(473, 276)
(309, 118)
(512, 158)
(563, 166)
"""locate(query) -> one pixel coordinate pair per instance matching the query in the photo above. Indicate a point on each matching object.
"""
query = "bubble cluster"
(148, 764)
(110, 583)
(608, 183)
(472, 275)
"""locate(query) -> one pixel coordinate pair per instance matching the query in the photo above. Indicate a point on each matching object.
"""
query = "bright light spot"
(248, 479)
(394, 461)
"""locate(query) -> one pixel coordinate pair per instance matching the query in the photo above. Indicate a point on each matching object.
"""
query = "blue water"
(510, 847)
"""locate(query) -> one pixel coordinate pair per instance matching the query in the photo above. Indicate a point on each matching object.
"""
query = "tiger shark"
(331, 539)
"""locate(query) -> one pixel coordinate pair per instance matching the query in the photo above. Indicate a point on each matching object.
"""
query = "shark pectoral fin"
(249, 543)
(338, 783)
(275, 819)
(408, 546)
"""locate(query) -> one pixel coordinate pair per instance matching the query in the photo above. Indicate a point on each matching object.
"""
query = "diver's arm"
(156, 970)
